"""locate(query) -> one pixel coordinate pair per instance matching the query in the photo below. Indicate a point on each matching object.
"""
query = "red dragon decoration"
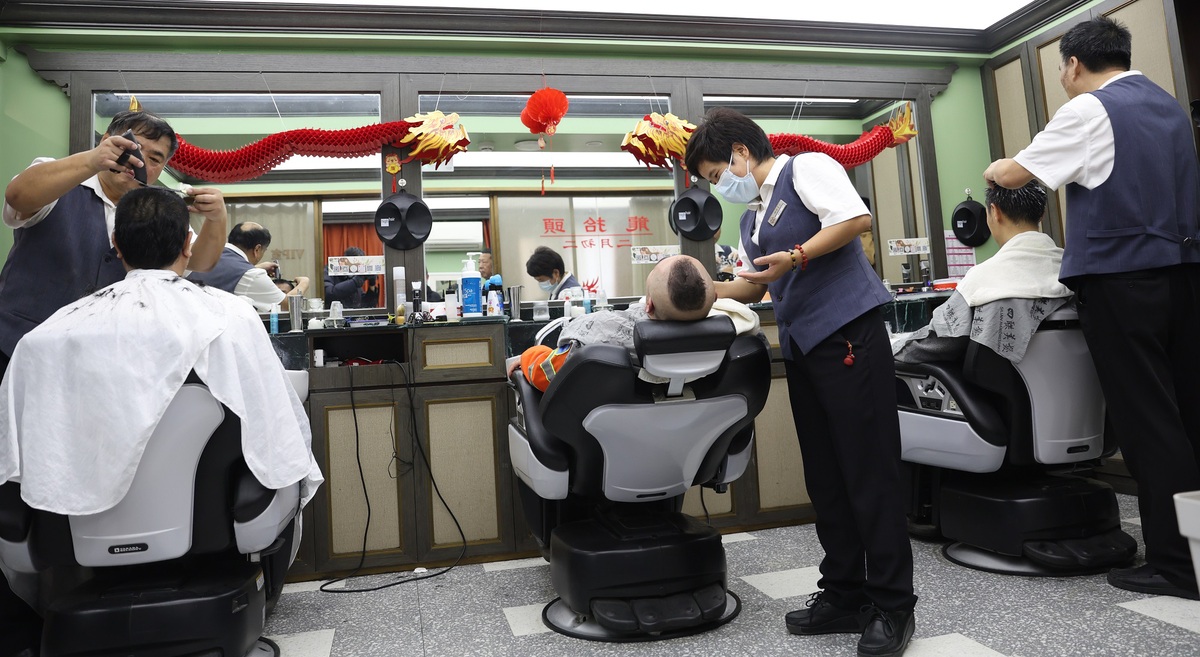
(433, 138)
(657, 139)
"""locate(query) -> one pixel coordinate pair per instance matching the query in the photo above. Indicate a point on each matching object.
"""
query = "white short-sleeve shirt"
(1076, 146)
(823, 187)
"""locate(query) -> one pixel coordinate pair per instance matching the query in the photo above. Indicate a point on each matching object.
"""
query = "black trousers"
(1143, 329)
(849, 435)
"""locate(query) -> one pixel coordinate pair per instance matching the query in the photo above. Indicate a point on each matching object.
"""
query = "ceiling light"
(528, 145)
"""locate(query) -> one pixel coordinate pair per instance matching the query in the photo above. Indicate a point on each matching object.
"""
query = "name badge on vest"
(776, 213)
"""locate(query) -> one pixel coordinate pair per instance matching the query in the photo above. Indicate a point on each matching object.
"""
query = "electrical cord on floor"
(412, 408)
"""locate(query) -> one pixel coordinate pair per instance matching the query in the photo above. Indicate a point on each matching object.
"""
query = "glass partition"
(597, 237)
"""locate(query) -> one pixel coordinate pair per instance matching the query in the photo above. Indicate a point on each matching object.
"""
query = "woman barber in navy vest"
(800, 231)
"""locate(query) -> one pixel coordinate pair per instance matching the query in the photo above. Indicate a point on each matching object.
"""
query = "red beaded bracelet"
(803, 258)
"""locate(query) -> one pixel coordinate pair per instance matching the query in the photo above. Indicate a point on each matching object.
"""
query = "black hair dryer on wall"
(969, 222)
(403, 221)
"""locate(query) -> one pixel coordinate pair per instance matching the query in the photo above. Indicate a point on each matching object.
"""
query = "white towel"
(1026, 267)
(85, 390)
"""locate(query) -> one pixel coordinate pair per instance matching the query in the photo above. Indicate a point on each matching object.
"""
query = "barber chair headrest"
(681, 351)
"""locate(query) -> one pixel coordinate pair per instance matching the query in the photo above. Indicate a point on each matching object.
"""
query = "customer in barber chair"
(86, 388)
(677, 289)
(1001, 301)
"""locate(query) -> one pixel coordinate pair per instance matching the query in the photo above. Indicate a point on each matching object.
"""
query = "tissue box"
(1187, 508)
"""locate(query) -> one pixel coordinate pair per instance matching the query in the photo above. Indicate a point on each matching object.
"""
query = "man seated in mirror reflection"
(486, 267)
(547, 268)
(677, 289)
(348, 288)
(241, 270)
(1001, 301)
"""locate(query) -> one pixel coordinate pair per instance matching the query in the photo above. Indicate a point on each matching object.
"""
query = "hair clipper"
(139, 173)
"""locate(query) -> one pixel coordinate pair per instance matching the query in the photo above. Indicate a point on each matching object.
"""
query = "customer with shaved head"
(677, 289)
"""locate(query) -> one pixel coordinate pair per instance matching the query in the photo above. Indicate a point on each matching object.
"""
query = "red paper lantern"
(544, 109)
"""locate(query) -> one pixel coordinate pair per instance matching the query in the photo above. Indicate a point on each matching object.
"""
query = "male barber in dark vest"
(61, 212)
(801, 235)
(242, 272)
(1123, 147)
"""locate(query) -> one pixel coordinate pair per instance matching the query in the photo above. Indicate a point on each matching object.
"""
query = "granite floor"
(495, 609)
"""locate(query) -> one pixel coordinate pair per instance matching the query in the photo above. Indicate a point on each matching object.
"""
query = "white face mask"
(547, 286)
(737, 189)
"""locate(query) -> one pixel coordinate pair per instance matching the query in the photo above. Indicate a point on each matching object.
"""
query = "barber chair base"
(218, 606)
(647, 574)
(1065, 525)
(562, 619)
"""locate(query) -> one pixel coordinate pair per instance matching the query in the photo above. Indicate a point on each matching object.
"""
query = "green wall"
(34, 119)
(961, 144)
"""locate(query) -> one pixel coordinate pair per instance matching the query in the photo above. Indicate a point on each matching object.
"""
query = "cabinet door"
(361, 439)
(463, 429)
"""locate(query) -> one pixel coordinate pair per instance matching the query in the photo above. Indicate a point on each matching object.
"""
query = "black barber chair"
(187, 563)
(603, 460)
(996, 448)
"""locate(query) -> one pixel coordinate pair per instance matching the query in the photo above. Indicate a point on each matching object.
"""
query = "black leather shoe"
(887, 633)
(819, 616)
(1147, 579)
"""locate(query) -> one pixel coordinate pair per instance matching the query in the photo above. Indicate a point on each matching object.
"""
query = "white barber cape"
(1026, 267)
(85, 390)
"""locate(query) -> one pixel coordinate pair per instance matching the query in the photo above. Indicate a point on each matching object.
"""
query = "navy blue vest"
(837, 287)
(226, 273)
(54, 262)
(1144, 215)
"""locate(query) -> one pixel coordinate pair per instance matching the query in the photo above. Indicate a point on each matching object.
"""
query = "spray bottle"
(471, 287)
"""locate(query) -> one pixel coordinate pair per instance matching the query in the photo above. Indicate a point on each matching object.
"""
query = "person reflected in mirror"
(347, 288)
(799, 239)
(1123, 148)
(677, 289)
(1013, 290)
(241, 270)
(61, 212)
(547, 268)
(487, 268)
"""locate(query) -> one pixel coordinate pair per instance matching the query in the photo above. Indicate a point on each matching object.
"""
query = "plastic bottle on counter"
(399, 288)
(472, 288)
(275, 319)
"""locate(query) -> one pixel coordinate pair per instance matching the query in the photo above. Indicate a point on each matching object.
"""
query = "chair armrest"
(250, 498)
(549, 451)
(15, 515)
(978, 405)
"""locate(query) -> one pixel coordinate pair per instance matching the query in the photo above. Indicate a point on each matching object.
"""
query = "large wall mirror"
(491, 197)
(575, 192)
(314, 207)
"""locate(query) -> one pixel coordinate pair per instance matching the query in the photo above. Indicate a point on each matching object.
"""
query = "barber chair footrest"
(213, 606)
(1108, 550)
(673, 612)
(645, 619)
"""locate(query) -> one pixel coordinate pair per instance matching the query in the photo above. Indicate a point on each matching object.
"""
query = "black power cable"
(412, 408)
